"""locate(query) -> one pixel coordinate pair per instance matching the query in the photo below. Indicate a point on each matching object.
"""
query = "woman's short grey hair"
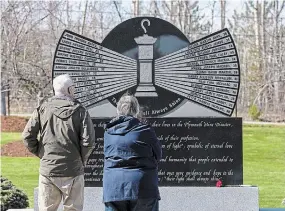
(128, 105)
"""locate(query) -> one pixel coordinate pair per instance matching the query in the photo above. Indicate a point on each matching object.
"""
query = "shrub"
(12, 197)
(254, 112)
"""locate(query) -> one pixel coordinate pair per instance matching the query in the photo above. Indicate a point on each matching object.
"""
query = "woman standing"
(132, 152)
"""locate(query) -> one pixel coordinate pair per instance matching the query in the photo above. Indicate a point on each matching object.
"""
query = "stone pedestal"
(186, 199)
(145, 88)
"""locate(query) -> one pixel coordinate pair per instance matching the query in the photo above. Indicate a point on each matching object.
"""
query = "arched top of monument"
(169, 37)
(152, 59)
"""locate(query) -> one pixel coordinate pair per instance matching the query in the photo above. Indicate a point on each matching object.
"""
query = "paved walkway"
(261, 209)
(264, 123)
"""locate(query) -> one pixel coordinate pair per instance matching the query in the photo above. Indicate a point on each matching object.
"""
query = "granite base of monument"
(186, 199)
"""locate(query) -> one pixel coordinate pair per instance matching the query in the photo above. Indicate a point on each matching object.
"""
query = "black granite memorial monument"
(153, 60)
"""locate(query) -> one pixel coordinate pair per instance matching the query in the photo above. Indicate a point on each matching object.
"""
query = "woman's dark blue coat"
(132, 152)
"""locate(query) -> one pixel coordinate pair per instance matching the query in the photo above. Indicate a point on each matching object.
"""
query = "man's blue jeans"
(133, 205)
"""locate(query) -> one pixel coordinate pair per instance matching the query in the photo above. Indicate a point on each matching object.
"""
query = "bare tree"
(258, 33)
(30, 31)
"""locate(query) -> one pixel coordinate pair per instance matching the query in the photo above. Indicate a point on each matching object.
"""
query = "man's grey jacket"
(66, 137)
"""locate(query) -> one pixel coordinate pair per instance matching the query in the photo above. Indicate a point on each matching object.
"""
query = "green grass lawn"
(263, 164)
(7, 137)
(23, 172)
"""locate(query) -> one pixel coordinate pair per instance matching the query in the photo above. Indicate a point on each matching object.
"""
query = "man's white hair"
(61, 84)
(128, 105)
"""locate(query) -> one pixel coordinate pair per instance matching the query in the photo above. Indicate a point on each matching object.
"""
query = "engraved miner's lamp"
(145, 43)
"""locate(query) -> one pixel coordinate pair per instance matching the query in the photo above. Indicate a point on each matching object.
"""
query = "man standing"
(66, 139)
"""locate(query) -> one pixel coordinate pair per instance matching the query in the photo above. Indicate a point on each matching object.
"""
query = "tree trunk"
(223, 13)
(3, 103)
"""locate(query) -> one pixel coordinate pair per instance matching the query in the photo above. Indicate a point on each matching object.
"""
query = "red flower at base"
(219, 183)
